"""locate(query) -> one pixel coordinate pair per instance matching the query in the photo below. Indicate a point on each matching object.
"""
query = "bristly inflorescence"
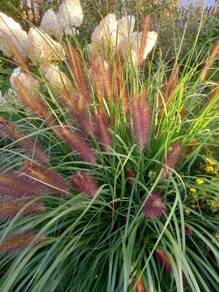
(104, 131)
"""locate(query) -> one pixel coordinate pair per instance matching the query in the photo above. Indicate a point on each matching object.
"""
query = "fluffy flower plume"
(133, 45)
(120, 34)
(113, 31)
(47, 177)
(11, 184)
(11, 31)
(140, 117)
(164, 260)
(70, 16)
(42, 49)
(85, 183)
(154, 206)
(56, 78)
(172, 159)
(9, 130)
(50, 24)
(10, 208)
(20, 241)
(30, 83)
(106, 31)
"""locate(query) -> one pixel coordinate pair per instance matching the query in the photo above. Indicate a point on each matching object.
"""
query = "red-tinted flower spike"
(18, 57)
(85, 183)
(140, 116)
(192, 146)
(49, 178)
(12, 184)
(21, 241)
(11, 208)
(78, 72)
(164, 260)
(102, 75)
(35, 103)
(215, 91)
(172, 159)
(8, 129)
(182, 113)
(188, 230)
(120, 89)
(102, 129)
(77, 144)
(210, 62)
(154, 206)
(130, 175)
(81, 115)
(171, 84)
(140, 286)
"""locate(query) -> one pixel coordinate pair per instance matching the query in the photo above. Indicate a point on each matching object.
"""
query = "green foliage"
(106, 243)
(5, 72)
(12, 8)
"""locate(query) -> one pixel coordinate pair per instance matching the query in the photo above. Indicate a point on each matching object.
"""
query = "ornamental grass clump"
(97, 164)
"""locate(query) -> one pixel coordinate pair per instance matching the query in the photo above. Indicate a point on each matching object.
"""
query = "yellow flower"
(211, 161)
(214, 204)
(170, 149)
(187, 212)
(199, 181)
(193, 190)
(210, 169)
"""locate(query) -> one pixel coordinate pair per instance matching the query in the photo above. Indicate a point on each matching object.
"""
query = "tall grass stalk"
(126, 199)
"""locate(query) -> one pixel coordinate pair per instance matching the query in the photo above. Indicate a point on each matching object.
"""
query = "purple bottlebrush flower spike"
(140, 116)
(8, 129)
(85, 183)
(20, 241)
(130, 175)
(79, 109)
(78, 72)
(210, 62)
(35, 103)
(102, 75)
(120, 87)
(172, 159)
(77, 144)
(164, 260)
(11, 184)
(154, 206)
(49, 178)
(81, 115)
(10, 208)
(102, 126)
(140, 286)
(172, 83)
(188, 230)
